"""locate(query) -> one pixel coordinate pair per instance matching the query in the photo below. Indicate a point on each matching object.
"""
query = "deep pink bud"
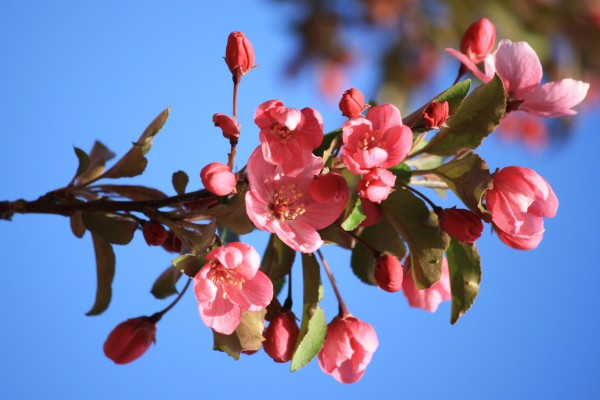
(154, 233)
(372, 212)
(478, 41)
(130, 339)
(463, 225)
(352, 103)
(435, 114)
(172, 243)
(218, 179)
(389, 273)
(239, 54)
(281, 336)
(228, 126)
(328, 188)
(376, 185)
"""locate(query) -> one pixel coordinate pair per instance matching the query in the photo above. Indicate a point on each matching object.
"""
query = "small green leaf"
(233, 215)
(84, 162)
(247, 336)
(133, 163)
(327, 144)
(419, 227)
(277, 259)
(479, 116)
(453, 95)
(356, 216)
(164, 285)
(105, 271)
(402, 173)
(189, 264)
(180, 181)
(115, 229)
(334, 235)
(314, 326)
(77, 226)
(465, 276)
(227, 236)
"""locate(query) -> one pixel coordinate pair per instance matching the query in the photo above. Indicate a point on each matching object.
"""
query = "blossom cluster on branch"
(354, 187)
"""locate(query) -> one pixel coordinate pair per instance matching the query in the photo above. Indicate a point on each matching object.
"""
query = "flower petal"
(555, 99)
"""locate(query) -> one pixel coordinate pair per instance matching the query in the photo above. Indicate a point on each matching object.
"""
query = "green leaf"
(419, 227)
(314, 326)
(453, 95)
(465, 276)
(227, 236)
(77, 226)
(98, 157)
(164, 285)
(233, 215)
(84, 162)
(334, 235)
(479, 116)
(402, 173)
(278, 259)
(189, 264)
(133, 192)
(133, 163)
(329, 141)
(468, 177)
(180, 181)
(356, 216)
(113, 228)
(105, 272)
(247, 336)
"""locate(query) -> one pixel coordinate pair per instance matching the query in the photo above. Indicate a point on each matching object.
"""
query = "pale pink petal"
(397, 141)
(555, 99)
(204, 289)
(352, 165)
(355, 130)
(221, 315)
(466, 61)
(518, 66)
(262, 175)
(312, 128)
(255, 293)
(250, 262)
(329, 188)
(261, 116)
(520, 243)
(258, 211)
(288, 117)
(384, 117)
(370, 158)
(346, 372)
(229, 256)
(288, 155)
(430, 298)
(299, 235)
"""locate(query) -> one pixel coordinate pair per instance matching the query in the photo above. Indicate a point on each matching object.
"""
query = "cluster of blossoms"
(294, 191)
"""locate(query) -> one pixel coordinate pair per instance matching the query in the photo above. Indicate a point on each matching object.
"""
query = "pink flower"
(281, 336)
(287, 135)
(379, 140)
(291, 204)
(521, 71)
(230, 129)
(376, 185)
(389, 273)
(229, 283)
(348, 348)
(218, 179)
(130, 339)
(239, 55)
(428, 299)
(518, 201)
(463, 225)
(478, 41)
(352, 103)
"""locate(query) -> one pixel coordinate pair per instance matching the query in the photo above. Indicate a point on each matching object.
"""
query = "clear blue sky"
(74, 72)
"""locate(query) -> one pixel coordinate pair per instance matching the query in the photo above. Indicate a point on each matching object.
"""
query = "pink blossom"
(521, 71)
(348, 348)
(376, 185)
(229, 283)
(239, 54)
(229, 127)
(428, 299)
(285, 203)
(379, 140)
(518, 201)
(218, 179)
(287, 135)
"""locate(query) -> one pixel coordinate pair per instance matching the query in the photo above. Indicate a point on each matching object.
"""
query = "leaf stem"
(435, 208)
(168, 308)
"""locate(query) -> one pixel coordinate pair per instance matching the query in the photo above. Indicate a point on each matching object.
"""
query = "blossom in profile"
(229, 127)
(478, 40)
(281, 336)
(348, 348)
(131, 339)
(519, 67)
(379, 140)
(430, 298)
(287, 135)
(292, 205)
(376, 185)
(518, 201)
(218, 179)
(228, 283)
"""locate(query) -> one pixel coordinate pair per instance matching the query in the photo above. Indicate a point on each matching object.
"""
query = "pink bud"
(154, 233)
(281, 336)
(463, 225)
(435, 114)
(228, 126)
(172, 243)
(239, 54)
(478, 40)
(376, 185)
(352, 103)
(372, 212)
(328, 188)
(389, 273)
(218, 179)
(130, 339)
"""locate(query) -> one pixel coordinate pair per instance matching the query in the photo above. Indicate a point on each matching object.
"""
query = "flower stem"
(233, 143)
(168, 308)
(435, 208)
(343, 310)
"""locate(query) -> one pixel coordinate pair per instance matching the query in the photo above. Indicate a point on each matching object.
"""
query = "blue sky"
(75, 72)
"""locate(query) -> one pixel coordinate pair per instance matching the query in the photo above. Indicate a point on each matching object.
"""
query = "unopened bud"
(228, 126)
(130, 339)
(352, 103)
(389, 273)
(281, 336)
(328, 188)
(478, 41)
(463, 225)
(435, 114)
(239, 54)
(154, 233)
(218, 179)
(376, 185)
(172, 244)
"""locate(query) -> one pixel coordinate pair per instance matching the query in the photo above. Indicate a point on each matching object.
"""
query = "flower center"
(283, 203)
(219, 275)
(284, 133)
(370, 140)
